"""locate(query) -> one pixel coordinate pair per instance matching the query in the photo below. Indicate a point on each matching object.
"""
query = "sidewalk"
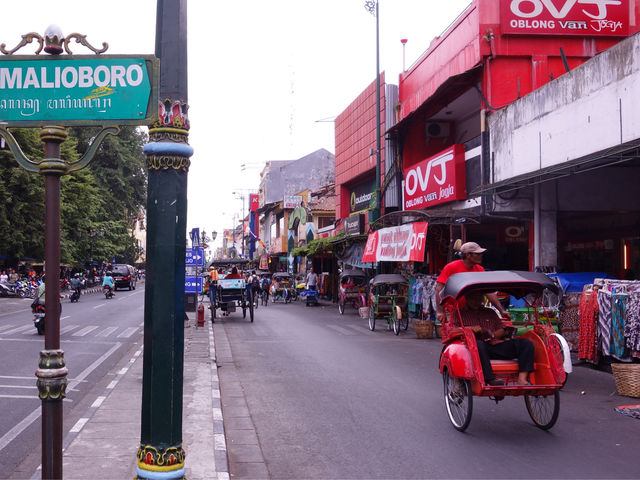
(103, 443)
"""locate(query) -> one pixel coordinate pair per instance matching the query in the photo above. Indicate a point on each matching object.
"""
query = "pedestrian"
(311, 280)
(470, 262)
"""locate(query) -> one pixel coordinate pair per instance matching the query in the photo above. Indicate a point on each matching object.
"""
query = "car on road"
(124, 276)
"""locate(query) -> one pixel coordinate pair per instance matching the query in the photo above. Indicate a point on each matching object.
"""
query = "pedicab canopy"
(515, 283)
(404, 243)
(389, 279)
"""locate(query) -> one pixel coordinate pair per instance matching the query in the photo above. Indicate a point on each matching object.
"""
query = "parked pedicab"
(353, 289)
(388, 301)
(281, 287)
(460, 363)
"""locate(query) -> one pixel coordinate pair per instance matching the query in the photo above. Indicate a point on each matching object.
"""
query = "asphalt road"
(95, 334)
(330, 399)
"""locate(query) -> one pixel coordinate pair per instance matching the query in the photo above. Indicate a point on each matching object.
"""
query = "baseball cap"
(472, 247)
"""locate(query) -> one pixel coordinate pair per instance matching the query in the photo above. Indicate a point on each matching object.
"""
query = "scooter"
(38, 319)
(8, 290)
(75, 295)
(108, 292)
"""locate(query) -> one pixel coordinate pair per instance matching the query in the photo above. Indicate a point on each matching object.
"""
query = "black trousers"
(519, 348)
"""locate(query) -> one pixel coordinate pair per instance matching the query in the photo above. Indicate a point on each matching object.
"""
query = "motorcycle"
(9, 290)
(108, 292)
(64, 284)
(75, 295)
(38, 311)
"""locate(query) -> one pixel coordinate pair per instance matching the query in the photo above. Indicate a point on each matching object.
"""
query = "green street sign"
(78, 90)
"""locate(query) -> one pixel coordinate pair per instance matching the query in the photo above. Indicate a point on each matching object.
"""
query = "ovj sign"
(74, 90)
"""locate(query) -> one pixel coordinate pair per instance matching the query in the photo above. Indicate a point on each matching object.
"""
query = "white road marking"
(19, 329)
(11, 435)
(85, 330)
(18, 386)
(6, 327)
(68, 328)
(34, 397)
(98, 306)
(79, 424)
(128, 332)
(106, 332)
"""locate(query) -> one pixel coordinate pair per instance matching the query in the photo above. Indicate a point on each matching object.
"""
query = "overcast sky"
(265, 77)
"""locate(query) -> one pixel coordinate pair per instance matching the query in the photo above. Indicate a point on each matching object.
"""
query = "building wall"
(355, 136)
(601, 99)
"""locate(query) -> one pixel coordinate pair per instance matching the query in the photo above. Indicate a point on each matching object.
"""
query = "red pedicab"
(460, 363)
(353, 289)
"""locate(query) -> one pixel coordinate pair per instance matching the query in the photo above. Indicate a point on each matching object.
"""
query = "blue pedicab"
(310, 296)
(232, 293)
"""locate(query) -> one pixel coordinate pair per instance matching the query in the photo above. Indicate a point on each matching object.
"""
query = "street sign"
(78, 90)
(194, 257)
(192, 284)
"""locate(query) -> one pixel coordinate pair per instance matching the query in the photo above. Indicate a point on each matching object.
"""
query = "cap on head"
(472, 247)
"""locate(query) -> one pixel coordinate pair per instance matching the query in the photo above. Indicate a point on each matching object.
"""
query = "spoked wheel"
(251, 311)
(395, 321)
(404, 322)
(341, 308)
(543, 410)
(372, 318)
(458, 399)
(213, 314)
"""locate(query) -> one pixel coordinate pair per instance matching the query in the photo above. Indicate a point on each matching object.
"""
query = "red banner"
(405, 243)
(437, 179)
(254, 201)
(565, 17)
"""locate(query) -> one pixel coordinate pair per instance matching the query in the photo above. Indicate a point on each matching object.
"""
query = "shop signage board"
(354, 225)
(565, 17)
(254, 201)
(104, 90)
(361, 197)
(405, 243)
(292, 201)
(437, 179)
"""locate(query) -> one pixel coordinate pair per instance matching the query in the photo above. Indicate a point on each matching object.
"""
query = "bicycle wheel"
(458, 399)
(395, 321)
(404, 321)
(372, 318)
(251, 311)
(543, 410)
(341, 308)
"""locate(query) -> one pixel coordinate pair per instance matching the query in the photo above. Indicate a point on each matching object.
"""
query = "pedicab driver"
(492, 338)
(470, 262)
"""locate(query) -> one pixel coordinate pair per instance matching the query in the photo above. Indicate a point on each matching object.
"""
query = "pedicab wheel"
(244, 310)
(458, 399)
(404, 322)
(372, 318)
(341, 308)
(395, 321)
(543, 410)
(251, 311)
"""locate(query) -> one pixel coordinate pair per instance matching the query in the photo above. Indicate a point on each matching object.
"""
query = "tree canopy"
(99, 204)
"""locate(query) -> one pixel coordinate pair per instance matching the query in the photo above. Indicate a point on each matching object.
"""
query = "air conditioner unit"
(437, 129)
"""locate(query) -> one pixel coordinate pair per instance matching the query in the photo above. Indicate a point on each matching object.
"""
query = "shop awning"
(404, 243)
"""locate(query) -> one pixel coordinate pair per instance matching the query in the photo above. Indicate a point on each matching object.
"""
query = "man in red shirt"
(471, 262)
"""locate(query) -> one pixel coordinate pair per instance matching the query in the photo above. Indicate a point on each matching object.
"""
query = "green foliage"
(317, 245)
(99, 205)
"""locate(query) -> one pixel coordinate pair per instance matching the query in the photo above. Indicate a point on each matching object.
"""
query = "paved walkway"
(103, 443)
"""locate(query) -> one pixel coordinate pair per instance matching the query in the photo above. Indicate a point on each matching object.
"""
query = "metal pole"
(160, 454)
(52, 372)
(378, 143)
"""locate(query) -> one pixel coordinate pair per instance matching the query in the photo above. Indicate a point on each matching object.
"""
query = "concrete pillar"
(545, 225)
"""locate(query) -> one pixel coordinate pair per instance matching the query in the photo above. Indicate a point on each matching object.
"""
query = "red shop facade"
(495, 52)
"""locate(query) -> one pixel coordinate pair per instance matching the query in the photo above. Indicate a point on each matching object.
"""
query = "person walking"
(311, 280)
(471, 262)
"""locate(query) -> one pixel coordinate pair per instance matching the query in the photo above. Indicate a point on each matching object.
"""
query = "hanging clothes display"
(612, 322)
(588, 312)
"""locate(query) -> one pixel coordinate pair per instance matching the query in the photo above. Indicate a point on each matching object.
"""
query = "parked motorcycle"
(8, 289)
